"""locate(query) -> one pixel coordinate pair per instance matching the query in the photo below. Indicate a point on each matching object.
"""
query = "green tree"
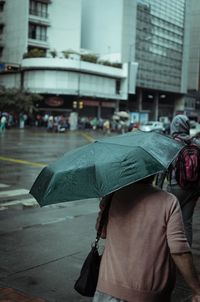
(13, 99)
(92, 58)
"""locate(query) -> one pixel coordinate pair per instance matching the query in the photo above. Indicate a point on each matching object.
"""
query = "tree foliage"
(35, 53)
(13, 99)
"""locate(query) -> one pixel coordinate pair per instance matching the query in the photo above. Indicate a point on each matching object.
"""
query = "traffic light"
(74, 104)
(80, 104)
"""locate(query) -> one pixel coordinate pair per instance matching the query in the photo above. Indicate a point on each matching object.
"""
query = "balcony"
(38, 42)
(76, 66)
(38, 13)
(39, 17)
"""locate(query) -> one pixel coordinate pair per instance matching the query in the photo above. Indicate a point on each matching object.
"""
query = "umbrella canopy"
(104, 166)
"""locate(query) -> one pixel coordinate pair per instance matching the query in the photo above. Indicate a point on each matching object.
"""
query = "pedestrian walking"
(3, 122)
(186, 192)
(106, 127)
(145, 242)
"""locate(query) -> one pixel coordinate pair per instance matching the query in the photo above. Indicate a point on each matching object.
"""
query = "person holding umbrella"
(145, 239)
(145, 232)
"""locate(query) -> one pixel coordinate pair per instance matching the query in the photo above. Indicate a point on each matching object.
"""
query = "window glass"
(159, 43)
(1, 52)
(39, 9)
(37, 32)
(2, 6)
(1, 28)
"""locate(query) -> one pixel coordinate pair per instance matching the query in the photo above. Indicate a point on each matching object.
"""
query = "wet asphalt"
(24, 152)
(42, 249)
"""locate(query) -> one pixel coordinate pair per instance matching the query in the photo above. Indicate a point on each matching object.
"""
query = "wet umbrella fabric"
(104, 166)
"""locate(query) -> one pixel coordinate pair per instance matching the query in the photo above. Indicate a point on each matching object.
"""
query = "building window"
(32, 31)
(2, 6)
(37, 32)
(117, 86)
(1, 52)
(1, 28)
(38, 9)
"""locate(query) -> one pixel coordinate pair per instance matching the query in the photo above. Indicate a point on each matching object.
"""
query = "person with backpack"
(184, 174)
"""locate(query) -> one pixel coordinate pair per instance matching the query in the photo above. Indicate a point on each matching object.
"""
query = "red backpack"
(187, 165)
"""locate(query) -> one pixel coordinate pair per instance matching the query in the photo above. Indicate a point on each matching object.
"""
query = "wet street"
(42, 249)
(23, 153)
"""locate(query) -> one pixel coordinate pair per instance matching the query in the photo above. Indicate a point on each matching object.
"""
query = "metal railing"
(39, 37)
(38, 13)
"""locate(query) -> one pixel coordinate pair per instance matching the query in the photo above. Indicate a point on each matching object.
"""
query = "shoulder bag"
(87, 281)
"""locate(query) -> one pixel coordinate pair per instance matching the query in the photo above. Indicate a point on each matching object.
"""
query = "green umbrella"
(104, 166)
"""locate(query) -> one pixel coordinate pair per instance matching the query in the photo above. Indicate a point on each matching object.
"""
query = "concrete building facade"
(41, 24)
(192, 102)
(162, 53)
(145, 42)
(41, 51)
(156, 36)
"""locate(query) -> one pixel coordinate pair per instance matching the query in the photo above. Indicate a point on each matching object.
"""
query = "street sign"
(2, 67)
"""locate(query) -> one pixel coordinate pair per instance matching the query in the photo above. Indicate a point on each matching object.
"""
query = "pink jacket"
(145, 226)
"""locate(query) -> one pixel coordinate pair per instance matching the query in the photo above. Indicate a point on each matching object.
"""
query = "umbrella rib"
(136, 146)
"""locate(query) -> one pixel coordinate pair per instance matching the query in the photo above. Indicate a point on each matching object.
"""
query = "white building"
(149, 35)
(42, 24)
(53, 27)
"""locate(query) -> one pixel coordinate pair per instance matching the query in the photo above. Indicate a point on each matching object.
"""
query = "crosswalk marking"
(24, 202)
(12, 193)
(3, 186)
(24, 162)
(22, 198)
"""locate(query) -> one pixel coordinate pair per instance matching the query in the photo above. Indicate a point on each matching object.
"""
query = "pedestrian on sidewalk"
(3, 122)
(187, 195)
(145, 242)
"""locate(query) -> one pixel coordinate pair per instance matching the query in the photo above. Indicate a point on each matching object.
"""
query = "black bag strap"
(104, 217)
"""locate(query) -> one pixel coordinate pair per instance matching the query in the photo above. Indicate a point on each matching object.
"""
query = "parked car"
(194, 128)
(153, 126)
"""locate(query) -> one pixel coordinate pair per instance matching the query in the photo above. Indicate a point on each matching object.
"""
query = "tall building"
(155, 35)
(192, 102)
(161, 51)
(41, 51)
(106, 54)
(108, 28)
(194, 59)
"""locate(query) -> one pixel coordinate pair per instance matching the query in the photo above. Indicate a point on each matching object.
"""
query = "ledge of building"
(74, 65)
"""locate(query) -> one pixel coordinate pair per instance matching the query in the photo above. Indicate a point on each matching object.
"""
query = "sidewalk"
(182, 293)
(10, 295)
(51, 262)
(42, 251)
